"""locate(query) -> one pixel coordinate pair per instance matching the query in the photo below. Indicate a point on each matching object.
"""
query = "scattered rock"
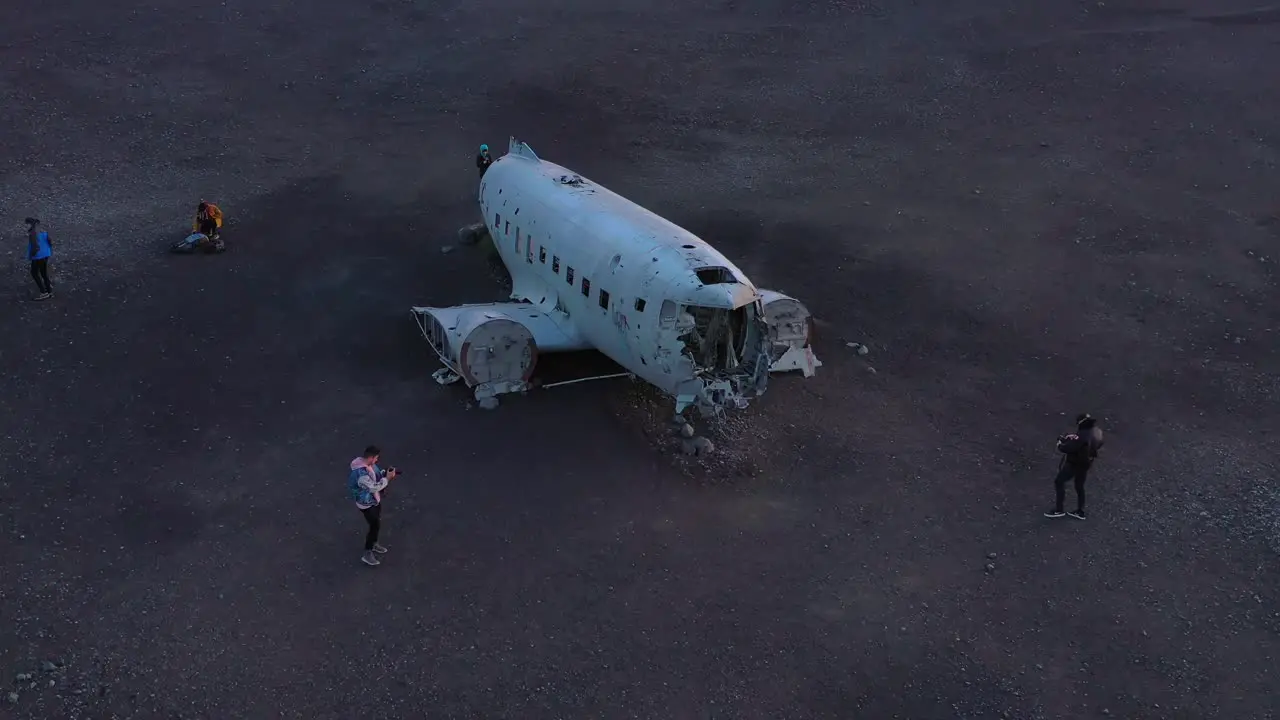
(472, 234)
(991, 567)
(991, 556)
(871, 370)
(22, 677)
(686, 431)
(862, 350)
(489, 403)
(48, 666)
(678, 419)
(445, 250)
(13, 698)
(697, 446)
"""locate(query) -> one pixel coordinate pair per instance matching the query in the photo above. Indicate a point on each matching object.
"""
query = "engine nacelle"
(790, 329)
(487, 349)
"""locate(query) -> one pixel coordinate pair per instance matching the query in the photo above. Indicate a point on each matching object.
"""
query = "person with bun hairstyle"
(1079, 449)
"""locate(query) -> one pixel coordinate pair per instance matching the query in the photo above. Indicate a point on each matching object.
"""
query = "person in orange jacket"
(208, 220)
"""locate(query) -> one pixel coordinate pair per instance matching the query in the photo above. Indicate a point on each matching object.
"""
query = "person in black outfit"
(483, 160)
(1079, 450)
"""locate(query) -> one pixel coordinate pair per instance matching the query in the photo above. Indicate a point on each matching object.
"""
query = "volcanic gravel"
(1022, 210)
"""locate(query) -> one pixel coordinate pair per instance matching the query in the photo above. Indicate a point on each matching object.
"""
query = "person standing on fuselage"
(1079, 450)
(366, 484)
(39, 250)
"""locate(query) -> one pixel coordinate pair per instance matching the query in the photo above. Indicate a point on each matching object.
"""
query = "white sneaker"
(370, 559)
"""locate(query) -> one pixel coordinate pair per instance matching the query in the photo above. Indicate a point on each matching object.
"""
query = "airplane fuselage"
(621, 275)
(593, 270)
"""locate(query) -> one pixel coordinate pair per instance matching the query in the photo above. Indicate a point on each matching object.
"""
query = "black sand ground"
(1024, 209)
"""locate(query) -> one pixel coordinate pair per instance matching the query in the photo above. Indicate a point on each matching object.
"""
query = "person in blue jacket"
(39, 250)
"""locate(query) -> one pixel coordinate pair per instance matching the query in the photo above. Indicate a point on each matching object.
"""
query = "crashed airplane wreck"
(593, 270)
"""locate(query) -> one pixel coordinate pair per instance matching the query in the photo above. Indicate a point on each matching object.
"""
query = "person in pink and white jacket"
(365, 485)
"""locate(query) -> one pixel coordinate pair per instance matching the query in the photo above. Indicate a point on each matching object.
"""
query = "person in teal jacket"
(39, 250)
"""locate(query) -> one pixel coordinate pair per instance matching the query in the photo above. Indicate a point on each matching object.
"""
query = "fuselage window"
(555, 264)
(604, 299)
(528, 250)
(497, 221)
(568, 275)
(586, 287)
(542, 254)
(639, 304)
(517, 239)
(506, 229)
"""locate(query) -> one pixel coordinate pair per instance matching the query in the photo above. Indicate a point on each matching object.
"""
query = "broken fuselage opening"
(729, 351)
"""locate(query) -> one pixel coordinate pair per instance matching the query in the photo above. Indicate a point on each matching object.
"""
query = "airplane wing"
(496, 344)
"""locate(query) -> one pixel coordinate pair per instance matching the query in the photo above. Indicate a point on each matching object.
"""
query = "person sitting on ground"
(208, 220)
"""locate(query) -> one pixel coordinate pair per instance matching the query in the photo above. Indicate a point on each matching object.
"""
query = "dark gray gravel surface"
(1021, 209)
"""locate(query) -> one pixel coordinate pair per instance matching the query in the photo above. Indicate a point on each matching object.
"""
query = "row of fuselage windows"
(526, 242)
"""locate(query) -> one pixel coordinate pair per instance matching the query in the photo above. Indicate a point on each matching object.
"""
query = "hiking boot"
(44, 296)
(369, 558)
(379, 548)
(1077, 514)
(1054, 513)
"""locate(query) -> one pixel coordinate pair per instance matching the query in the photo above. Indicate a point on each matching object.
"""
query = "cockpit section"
(725, 351)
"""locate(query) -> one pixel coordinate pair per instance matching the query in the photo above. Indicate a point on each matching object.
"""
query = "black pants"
(40, 273)
(1069, 472)
(373, 516)
(209, 227)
